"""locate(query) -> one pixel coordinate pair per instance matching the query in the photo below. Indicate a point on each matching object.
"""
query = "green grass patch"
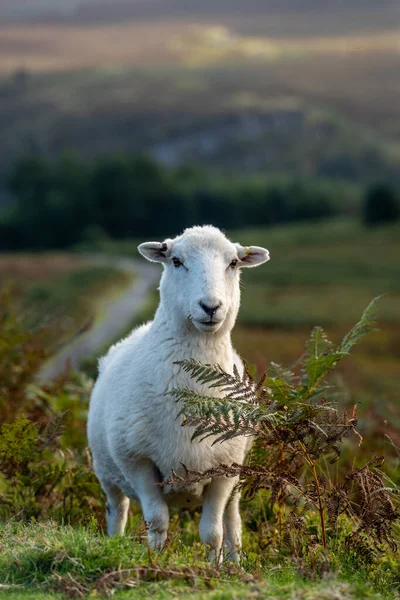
(322, 273)
(45, 560)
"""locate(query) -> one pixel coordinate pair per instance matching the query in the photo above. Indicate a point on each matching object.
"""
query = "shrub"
(380, 205)
(45, 470)
(22, 352)
(67, 201)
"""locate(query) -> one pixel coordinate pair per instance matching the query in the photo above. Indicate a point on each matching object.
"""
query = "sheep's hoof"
(233, 556)
(215, 557)
(157, 540)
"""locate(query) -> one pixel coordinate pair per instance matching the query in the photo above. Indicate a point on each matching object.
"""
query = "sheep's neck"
(188, 341)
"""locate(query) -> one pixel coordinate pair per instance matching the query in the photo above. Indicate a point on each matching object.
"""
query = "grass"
(45, 560)
(62, 288)
(321, 273)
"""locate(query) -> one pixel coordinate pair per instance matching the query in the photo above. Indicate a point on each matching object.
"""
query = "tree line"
(62, 202)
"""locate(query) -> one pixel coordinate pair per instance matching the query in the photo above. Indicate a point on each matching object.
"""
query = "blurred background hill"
(308, 87)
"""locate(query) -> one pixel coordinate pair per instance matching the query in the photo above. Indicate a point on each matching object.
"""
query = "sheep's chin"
(205, 327)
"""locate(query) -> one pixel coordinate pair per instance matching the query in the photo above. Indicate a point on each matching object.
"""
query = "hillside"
(304, 88)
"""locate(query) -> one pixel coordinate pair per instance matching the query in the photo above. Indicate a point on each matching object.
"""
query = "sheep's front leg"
(116, 509)
(233, 529)
(215, 500)
(143, 477)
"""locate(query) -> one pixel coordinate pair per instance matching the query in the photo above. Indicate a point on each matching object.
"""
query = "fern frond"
(223, 417)
(364, 326)
(321, 357)
(234, 386)
(211, 375)
(316, 347)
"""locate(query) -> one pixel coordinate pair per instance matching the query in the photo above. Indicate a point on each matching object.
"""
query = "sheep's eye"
(176, 261)
(233, 263)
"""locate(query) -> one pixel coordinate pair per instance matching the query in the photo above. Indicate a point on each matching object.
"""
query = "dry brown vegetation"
(26, 268)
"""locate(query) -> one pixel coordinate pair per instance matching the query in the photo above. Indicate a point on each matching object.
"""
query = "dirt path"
(115, 315)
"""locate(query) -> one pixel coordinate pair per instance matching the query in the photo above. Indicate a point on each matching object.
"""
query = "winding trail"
(116, 313)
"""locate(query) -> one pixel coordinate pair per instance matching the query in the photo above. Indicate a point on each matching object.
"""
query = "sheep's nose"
(210, 310)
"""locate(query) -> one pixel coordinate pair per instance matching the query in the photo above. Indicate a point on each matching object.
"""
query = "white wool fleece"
(134, 434)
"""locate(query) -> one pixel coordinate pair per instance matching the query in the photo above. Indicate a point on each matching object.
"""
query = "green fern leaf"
(364, 326)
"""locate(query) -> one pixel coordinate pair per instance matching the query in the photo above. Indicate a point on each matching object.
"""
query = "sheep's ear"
(156, 251)
(251, 256)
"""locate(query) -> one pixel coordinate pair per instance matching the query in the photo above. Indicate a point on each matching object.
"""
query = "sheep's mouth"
(209, 325)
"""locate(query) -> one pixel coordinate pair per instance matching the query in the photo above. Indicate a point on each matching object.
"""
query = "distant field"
(58, 47)
(286, 93)
(27, 269)
(353, 71)
(325, 272)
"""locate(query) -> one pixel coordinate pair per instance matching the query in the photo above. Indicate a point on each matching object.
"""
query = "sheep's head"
(200, 283)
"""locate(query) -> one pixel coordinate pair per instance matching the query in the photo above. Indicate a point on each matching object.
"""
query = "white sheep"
(134, 434)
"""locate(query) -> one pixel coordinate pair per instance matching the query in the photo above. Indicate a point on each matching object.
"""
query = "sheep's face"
(200, 283)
